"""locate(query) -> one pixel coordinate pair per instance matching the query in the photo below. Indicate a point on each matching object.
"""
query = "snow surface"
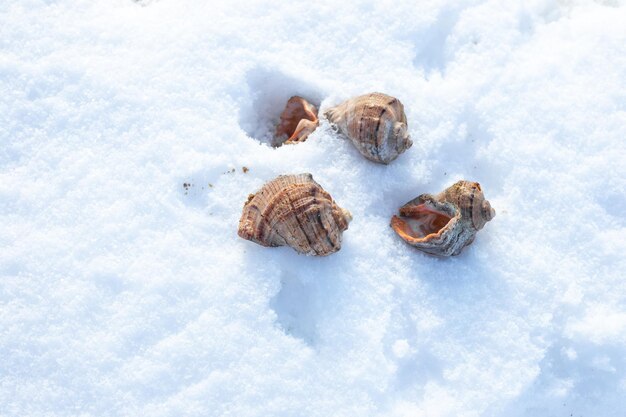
(125, 293)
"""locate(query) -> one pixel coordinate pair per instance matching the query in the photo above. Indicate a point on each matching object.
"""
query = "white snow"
(124, 293)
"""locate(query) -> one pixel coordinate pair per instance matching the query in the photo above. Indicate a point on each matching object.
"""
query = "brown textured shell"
(294, 210)
(376, 125)
(444, 224)
(297, 121)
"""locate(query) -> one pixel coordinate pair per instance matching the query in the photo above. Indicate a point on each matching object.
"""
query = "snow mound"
(125, 128)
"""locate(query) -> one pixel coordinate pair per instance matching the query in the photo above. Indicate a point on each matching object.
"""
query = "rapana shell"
(297, 121)
(444, 224)
(376, 125)
(294, 210)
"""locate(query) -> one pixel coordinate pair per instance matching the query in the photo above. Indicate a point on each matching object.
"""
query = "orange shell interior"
(416, 223)
(296, 110)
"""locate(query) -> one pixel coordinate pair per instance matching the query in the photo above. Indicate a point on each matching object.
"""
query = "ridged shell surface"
(376, 125)
(444, 224)
(294, 210)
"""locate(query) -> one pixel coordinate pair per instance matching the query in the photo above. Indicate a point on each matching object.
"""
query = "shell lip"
(347, 216)
(412, 211)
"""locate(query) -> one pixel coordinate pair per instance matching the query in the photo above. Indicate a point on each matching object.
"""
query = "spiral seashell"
(294, 210)
(297, 121)
(376, 125)
(444, 224)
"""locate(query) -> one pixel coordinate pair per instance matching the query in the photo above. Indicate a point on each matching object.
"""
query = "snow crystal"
(125, 127)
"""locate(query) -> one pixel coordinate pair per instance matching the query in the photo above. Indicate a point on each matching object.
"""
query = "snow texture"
(125, 290)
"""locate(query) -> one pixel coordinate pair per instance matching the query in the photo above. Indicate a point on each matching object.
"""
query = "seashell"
(297, 121)
(376, 125)
(444, 224)
(294, 210)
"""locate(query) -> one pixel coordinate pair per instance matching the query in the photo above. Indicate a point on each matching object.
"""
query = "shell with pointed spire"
(297, 121)
(376, 125)
(444, 224)
(294, 210)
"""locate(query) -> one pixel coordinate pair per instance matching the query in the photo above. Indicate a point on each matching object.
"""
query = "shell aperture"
(444, 224)
(297, 121)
